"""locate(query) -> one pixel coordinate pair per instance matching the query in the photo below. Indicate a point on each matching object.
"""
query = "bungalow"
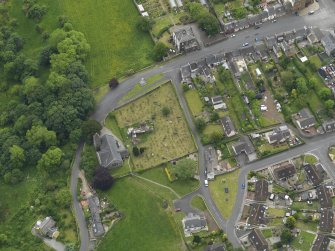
(185, 72)
(305, 119)
(324, 197)
(47, 228)
(278, 135)
(321, 243)
(228, 126)
(257, 214)
(328, 42)
(258, 241)
(261, 190)
(313, 175)
(326, 222)
(110, 154)
(193, 223)
(94, 204)
(244, 147)
(285, 171)
(216, 100)
(184, 39)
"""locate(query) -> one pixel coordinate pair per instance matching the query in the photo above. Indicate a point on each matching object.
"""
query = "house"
(279, 10)
(324, 196)
(262, 51)
(329, 126)
(257, 214)
(185, 72)
(321, 243)
(305, 119)
(228, 126)
(270, 41)
(194, 223)
(278, 135)
(288, 49)
(47, 228)
(326, 220)
(285, 171)
(94, 205)
(216, 100)
(328, 42)
(299, 4)
(258, 241)
(211, 60)
(313, 174)
(184, 39)
(229, 27)
(301, 34)
(261, 190)
(244, 147)
(110, 154)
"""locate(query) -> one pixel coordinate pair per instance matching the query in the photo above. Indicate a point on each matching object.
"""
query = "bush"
(102, 179)
(166, 111)
(160, 51)
(145, 24)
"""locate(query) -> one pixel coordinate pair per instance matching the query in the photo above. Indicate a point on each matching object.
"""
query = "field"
(170, 138)
(145, 225)
(225, 201)
(110, 28)
(304, 241)
(194, 102)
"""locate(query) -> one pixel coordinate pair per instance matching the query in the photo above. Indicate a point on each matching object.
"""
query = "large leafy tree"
(41, 137)
(51, 160)
(102, 179)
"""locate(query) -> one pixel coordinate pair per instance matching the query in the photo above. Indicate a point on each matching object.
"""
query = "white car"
(245, 44)
(233, 35)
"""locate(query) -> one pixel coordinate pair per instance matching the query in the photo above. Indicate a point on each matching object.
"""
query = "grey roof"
(318, 33)
(279, 9)
(261, 190)
(326, 220)
(242, 146)
(257, 214)
(270, 41)
(47, 226)
(194, 221)
(321, 243)
(185, 71)
(328, 42)
(193, 66)
(324, 197)
(211, 60)
(312, 174)
(228, 125)
(279, 134)
(184, 34)
(93, 204)
(306, 119)
(220, 57)
(285, 171)
(258, 241)
(108, 151)
(301, 32)
(216, 100)
(329, 126)
(216, 247)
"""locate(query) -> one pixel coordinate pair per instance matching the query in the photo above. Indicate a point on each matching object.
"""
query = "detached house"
(228, 126)
(305, 119)
(184, 39)
(328, 41)
(278, 135)
(194, 223)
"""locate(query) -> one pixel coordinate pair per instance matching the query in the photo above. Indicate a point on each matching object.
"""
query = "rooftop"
(258, 241)
(321, 243)
(257, 214)
(312, 174)
(326, 220)
(285, 171)
(324, 197)
(261, 190)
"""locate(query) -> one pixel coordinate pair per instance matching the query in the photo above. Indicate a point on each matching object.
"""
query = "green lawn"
(157, 174)
(311, 159)
(111, 124)
(267, 233)
(276, 212)
(299, 205)
(303, 241)
(198, 202)
(210, 128)
(194, 102)
(315, 60)
(145, 225)
(225, 201)
(170, 138)
(268, 149)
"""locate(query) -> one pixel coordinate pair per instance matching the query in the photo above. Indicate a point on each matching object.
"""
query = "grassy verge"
(198, 202)
(303, 241)
(310, 159)
(144, 217)
(267, 233)
(225, 201)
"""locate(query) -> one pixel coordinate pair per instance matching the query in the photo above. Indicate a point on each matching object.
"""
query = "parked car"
(245, 44)
(243, 186)
(177, 209)
(233, 35)
(257, 27)
(206, 183)
(311, 12)
(274, 21)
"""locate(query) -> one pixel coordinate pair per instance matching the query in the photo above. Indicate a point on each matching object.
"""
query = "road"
(323, 18)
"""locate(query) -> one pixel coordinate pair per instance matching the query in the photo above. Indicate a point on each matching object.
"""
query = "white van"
(206, 183)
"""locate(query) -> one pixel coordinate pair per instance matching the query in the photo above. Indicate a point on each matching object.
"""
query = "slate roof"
(242, 147)
(270, 41)
(194, 221)
(321, 243)
(329, 126)
(328, 42)
(93, 204)
(108, 151)
(285, 171)
(258, 241)
(261, 190)
(185, 71)
(306, 119)
(257, 214)
(47, 226)
(326, 220)
(279, 134)
(184, 34)
(228, 126)
(216, 247)
(312, 174)
(216, 100)
(211, 60)
(324, 197)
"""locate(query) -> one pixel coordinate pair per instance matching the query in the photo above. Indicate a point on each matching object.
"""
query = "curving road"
(323, 18)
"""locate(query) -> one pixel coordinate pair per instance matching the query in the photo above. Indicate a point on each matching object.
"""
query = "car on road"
(245, 44)
(177, 209)
(206, 183)
(274, 21)
(311, 12)
(233, 35)
(205, 172)
(243, 186)
(257, 27)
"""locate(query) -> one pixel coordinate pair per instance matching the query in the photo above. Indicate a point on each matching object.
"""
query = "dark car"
(243, 186)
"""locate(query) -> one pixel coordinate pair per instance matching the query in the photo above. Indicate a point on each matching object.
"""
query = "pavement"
(323, 18)
(56, 245)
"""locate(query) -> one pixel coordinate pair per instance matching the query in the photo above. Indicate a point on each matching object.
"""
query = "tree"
(160, 51)
(286, 236)
(136, 151)
(325, 93)
(50, 160)
(145, 24)
(210, 24)
(200, 124)
(113, 83)
(17, 156)
(196, 10)
(184, 169)
(290, 222)
(329, 104)
(102, 179)
(36, 12)
(41, 137)
(89, 128)
(3, 240)
(196, 239)
(302, 85)
(214, 116)
(63, 198)
(166, 111)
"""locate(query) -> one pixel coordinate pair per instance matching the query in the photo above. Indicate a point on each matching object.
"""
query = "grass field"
(109, 26)
(145, 225)
(304, 241)
(170, 138)
(225, 201)
(184, 187)
(194, 102)
(198, 202)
